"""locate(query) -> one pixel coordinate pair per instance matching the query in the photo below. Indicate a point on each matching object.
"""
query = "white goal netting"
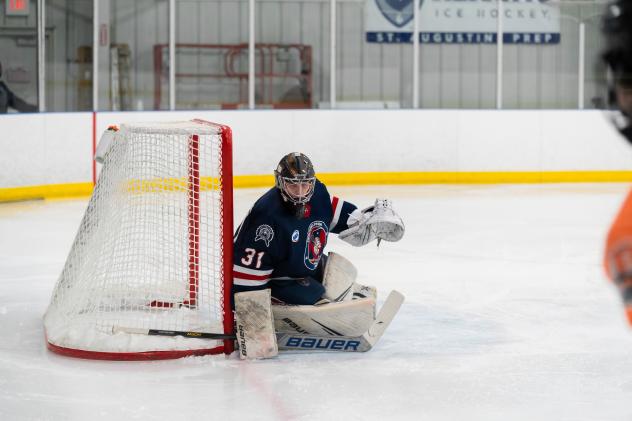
(151, 251)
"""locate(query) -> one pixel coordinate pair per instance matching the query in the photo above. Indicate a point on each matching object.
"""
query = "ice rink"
(507, 317)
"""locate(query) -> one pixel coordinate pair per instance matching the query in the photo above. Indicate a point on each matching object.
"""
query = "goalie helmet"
(295, 179)
(617, 55)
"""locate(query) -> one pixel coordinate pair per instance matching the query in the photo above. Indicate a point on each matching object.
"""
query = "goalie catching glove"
(379, 222)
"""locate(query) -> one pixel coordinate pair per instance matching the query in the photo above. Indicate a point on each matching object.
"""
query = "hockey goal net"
(154, 248)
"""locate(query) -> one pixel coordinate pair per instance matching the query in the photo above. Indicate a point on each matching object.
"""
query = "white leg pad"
(255, 325)
(343, 318)
(338, 278)
(364, 291)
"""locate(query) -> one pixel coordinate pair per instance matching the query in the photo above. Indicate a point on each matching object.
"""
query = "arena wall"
(50, 154)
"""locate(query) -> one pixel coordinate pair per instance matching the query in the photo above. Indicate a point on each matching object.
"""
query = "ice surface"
(507, 317)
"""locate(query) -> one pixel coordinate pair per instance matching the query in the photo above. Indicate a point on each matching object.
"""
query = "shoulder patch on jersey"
(265, 233)
(295, 236)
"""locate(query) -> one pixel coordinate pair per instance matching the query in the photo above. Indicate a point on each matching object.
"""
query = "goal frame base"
(133, 356)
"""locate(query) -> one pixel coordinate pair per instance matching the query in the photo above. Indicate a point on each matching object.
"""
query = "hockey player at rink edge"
(617, 55)
(283, 280)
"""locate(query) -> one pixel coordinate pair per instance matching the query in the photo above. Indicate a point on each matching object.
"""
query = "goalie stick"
(162, 332)
(302, 342)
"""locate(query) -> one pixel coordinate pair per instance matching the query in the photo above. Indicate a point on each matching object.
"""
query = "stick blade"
(384, 318)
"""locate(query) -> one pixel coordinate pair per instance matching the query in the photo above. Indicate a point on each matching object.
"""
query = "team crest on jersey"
(265, 233)
(315, 243)
(295, 236)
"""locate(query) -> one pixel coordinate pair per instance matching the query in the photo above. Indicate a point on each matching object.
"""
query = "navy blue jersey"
(272, 244)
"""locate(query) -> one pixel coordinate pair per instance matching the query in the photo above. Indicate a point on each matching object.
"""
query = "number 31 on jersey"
(248, 259)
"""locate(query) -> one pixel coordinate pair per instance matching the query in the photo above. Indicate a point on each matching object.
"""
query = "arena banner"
(463, 21)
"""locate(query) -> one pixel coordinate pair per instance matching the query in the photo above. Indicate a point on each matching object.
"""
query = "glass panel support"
(581, 66)
(172, 55)
(499, 56)
(95, 55)
(41, 55)
(251, 54)
(332, 54)
(416, 54)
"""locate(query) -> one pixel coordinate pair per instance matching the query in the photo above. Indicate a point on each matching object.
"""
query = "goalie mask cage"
(154, 248)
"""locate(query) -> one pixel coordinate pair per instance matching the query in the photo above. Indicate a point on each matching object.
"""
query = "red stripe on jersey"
(334, 204)
(241, 275)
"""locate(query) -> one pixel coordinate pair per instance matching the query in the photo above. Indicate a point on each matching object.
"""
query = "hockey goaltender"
(287, 293)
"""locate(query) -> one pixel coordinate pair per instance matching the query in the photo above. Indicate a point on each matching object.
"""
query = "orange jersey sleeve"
(618, 255)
